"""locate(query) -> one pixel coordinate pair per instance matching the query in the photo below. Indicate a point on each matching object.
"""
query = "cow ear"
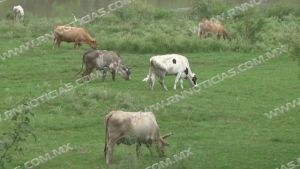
(165, 143)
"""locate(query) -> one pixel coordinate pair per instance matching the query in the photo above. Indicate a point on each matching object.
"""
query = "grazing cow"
(73, 34)
(172, 64)
(18, 12)
(106, 61)
(207, 27)
(120, 128)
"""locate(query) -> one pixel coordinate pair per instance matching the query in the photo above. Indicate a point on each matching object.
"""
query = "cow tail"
(106, 128)
(83, 61)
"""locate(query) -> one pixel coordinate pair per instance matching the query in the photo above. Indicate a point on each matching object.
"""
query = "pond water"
(80, 8)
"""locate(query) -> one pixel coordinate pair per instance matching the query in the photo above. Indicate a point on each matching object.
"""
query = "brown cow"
(132, 127)
(73, 34)
(216, 27)
(106, 61)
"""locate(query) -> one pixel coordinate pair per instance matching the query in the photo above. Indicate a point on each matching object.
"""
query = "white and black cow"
(18, 12)
(171, 64)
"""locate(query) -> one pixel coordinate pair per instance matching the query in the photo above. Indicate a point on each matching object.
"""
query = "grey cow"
(106, 61)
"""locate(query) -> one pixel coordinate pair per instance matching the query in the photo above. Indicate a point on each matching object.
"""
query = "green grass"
(224, 125)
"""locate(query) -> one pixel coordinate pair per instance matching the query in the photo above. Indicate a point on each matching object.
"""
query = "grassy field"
(224, 125)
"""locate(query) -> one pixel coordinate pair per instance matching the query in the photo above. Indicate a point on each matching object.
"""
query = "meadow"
(224, 125)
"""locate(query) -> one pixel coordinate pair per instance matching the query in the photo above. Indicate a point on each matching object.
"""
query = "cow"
(216, 27)
(78, 35)
(171, 64)
(18, 12)
(106, 61)
(121, 127)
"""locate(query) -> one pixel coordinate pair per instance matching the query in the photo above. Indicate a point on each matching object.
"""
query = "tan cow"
(132, 127)
(216, 27)
(108, 61)
(73, 34)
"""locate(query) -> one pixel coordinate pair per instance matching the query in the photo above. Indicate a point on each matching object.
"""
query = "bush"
(207, 9)
(282, 9)
(9, 15)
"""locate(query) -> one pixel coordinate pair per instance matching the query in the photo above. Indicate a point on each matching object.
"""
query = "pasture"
(223, 125)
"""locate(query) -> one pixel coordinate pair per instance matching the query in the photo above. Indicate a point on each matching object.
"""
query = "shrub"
(207, 9)
(9, 15)
(282, 9)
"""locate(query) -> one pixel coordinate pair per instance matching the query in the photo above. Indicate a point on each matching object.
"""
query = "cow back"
(171, 64)
(133, 124)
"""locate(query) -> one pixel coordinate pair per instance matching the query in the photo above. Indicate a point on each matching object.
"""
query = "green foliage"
(12, 139)
(57, 9)
(282, 9)
(142, 28)
(207, 9)
(286, 31)
(231, 111)
(142, 10)
(9, 15)
(251, 25)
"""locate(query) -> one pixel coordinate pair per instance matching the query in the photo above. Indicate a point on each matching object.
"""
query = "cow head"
(228, 37)
(94, 44)
(123, 70)
(194, 79)
(161, 144)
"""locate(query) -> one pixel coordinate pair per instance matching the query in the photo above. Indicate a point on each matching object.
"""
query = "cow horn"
(167, 135)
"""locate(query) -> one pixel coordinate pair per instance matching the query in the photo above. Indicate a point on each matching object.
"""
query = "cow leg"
(176, 80)
(75, 44)
(109, 152)
(204, 36)
(104, 75)
(54, 43)
(151, 80)
(85, 74)
(181, 83)
(148, 145)
(113, 74)
(161, 81)
(138, 149)
(58, 42)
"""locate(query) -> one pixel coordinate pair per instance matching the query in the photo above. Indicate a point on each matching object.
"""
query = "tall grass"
(142, 28)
